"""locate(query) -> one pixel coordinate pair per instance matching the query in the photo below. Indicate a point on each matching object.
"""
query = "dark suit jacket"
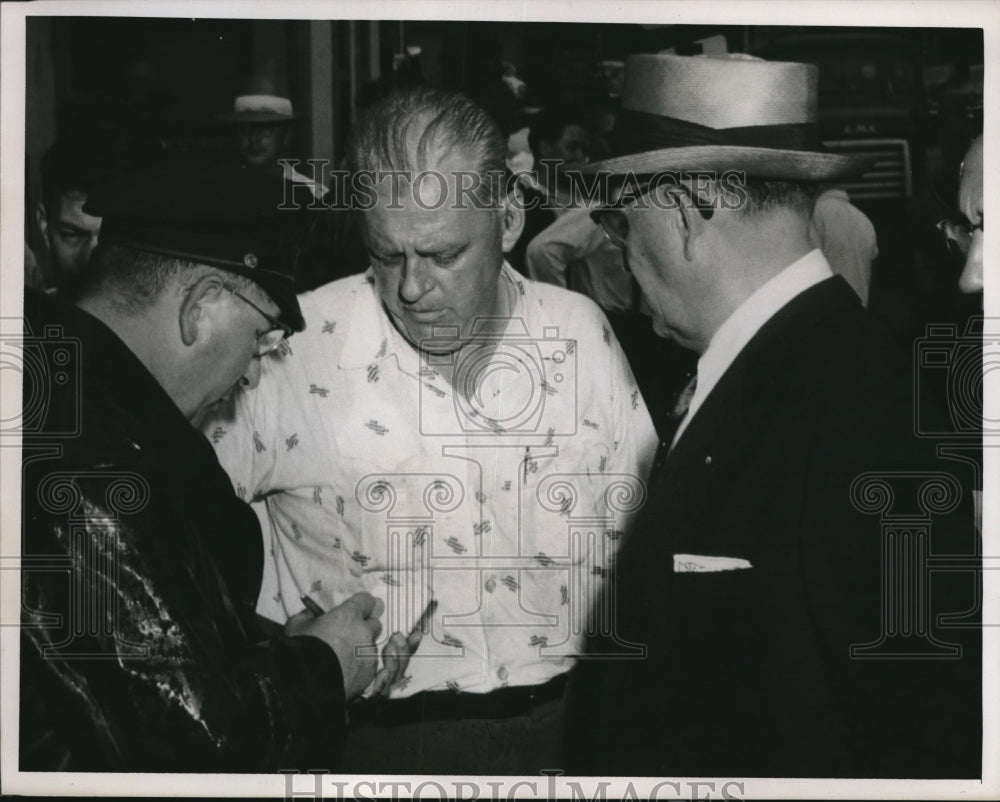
(140, 574)
(749, 672)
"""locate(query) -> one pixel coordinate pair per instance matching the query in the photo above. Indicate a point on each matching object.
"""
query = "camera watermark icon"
(46, 362)
(951, 369)
(502, 381)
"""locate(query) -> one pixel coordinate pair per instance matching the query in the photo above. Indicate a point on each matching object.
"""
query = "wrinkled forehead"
(416, 225)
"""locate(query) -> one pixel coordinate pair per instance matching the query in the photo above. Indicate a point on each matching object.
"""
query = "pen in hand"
(423, 623)
(312, 607)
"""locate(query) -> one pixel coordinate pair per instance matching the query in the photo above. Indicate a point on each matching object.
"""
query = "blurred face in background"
(970, 203)
(69, 233)
(262, 144)
(572, 148)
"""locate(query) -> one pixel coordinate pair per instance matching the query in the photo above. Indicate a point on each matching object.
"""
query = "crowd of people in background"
(547, 140)
(311, 362)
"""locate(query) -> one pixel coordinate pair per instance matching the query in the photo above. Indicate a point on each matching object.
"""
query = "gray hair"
(133, 279)
(423, 121)
(762, 195)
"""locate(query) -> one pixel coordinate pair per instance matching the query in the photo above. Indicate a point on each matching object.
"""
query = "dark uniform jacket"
(140, 573)
(750, 671)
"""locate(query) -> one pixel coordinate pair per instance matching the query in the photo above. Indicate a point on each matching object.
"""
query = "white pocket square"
(702, 563)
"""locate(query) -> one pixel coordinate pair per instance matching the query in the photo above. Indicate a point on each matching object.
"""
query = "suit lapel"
(727, 418)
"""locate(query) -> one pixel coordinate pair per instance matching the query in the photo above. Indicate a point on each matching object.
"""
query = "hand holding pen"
(396, 653)
(352, 624)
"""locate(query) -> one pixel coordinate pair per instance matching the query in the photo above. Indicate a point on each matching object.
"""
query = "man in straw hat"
(752, 583)
(264, 117)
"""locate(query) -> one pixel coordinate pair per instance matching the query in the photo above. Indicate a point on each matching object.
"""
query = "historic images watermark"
(319, 785)
(433, 190)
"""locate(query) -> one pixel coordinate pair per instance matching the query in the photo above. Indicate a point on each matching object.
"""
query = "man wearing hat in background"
(264, 117)
(141, 566)
(754, 575)
(264, 120)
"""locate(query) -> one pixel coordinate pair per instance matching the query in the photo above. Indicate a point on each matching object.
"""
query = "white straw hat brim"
(256, 117)
(755, 162)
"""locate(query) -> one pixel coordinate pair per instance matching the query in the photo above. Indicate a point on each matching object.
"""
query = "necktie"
(684, 399)
(676, 415)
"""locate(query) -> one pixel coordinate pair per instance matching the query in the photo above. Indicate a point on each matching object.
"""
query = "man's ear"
(691, 223)
(513, 216)
(200, 308)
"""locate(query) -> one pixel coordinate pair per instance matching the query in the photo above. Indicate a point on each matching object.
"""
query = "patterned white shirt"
(504, 501)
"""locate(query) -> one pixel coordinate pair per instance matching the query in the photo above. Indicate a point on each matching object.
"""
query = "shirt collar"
(740, 327)
(371, 337)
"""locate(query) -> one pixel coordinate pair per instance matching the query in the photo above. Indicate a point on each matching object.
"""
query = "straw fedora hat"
(718, 113)
(265, 101)
(260, 109)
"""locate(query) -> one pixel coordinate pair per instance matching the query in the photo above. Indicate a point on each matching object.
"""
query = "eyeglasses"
(271, 339)
(958, 234)
(614, 220)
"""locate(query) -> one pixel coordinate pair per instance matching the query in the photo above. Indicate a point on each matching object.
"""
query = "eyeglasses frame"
(599, 216)
(276, 325)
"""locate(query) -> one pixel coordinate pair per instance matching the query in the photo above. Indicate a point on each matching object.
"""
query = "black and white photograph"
(499, 400)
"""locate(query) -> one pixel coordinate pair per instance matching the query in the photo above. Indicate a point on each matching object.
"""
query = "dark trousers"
(516, 745)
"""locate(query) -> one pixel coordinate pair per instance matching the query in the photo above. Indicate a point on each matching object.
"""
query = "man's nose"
(90, 244)
(415, 281)
(971, 280)
(251, 376)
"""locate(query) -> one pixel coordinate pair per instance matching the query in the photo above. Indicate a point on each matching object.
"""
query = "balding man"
(140, 650)
(445, 428)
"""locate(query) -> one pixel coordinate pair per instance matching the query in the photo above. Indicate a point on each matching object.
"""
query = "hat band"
(199, 247)
(263, 103)
(639, 131)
